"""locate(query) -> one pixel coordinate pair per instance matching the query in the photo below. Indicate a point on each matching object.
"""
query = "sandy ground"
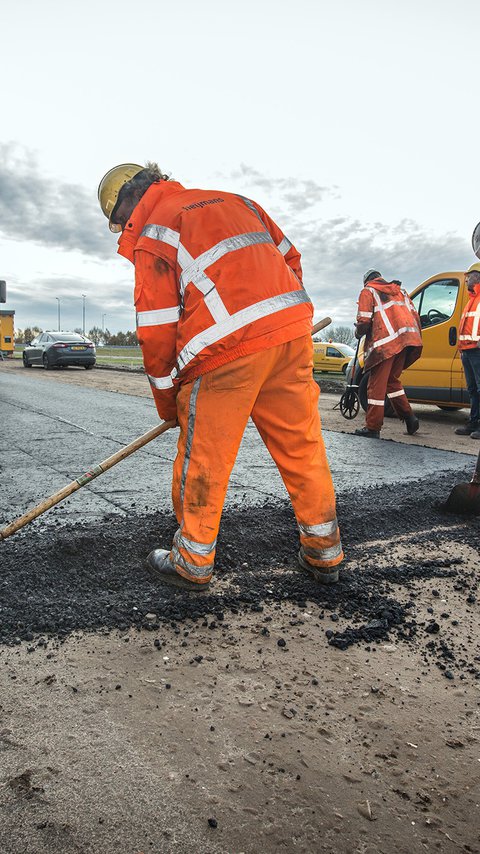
(436, 430)
(112, 744)
(247, 731)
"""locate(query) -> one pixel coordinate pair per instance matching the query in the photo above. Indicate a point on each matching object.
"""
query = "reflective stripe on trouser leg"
(212, 412)
(287, 418)
(321, 543)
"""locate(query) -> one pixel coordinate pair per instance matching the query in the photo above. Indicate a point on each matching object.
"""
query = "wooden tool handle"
(92, 473)
(321, 324)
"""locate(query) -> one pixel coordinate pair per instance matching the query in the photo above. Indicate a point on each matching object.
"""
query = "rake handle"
(89, 475)
(321, 324)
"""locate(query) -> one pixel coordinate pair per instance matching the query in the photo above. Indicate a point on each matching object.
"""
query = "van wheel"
(363, 395)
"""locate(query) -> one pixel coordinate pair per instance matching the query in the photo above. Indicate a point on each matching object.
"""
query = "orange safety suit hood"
(141, 213)
(392, 288)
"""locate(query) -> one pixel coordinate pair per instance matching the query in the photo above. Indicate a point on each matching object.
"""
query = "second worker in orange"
(388, 319)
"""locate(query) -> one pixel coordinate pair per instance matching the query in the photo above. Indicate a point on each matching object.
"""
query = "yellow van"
(331, 356)
(437, 376)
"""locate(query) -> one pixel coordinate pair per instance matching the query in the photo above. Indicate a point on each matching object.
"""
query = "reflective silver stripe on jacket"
(323, 554)
(213, 301)
(476, 322)
(321, 530)
(365, 314)
(158, 316)
(252, 207)
(195, 272)
(372, 402)
(236, 321)
(162, 382)
(284, 246)
(382, 311)
(162, 233)
(386, 305)
(395, 394)
(192, 412)
(202, 549)
(388, 338)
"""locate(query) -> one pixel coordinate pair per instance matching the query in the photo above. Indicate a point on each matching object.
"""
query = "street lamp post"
(83, 313)
(103, 322)
(58, 301)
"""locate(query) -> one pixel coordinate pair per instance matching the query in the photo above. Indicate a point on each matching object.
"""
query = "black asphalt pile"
(58, 578)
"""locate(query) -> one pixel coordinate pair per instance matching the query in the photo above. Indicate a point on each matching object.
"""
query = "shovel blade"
(464, 499)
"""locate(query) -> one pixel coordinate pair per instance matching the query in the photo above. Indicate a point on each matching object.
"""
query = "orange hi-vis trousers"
(384, 379)
(274, 387)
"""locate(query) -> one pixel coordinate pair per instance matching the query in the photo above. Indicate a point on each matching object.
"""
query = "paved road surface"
(53, 432)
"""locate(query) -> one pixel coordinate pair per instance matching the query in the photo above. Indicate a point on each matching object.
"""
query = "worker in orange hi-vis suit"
(225, 328)
(388, 319)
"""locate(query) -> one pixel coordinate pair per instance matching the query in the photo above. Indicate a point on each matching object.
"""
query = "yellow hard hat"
(475, 268)
(110, 186)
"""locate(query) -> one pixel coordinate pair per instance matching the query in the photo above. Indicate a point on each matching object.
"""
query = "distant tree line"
(97, 335)
(340, 334)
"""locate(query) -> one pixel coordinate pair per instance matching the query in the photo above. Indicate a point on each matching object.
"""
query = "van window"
(331, 351)
(436, 302)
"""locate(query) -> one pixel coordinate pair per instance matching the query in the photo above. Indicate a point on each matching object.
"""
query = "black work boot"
(467, 429)
(324, 575)
(412, 424)
(162, 569)
(369, 434)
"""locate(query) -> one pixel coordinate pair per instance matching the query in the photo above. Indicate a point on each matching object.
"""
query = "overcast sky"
(355, 123)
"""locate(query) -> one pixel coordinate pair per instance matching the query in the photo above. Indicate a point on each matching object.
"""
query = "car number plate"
(78, 348)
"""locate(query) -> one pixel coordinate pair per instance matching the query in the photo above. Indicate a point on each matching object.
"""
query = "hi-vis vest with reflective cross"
(238, 276)
(394, 323)
(469, 329)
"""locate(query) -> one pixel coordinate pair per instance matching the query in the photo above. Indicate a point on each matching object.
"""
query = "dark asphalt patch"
(59, 578)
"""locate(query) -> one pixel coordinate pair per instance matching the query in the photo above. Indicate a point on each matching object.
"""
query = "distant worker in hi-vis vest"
(469, 347)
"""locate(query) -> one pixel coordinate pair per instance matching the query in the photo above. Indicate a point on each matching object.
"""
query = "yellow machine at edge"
(7, 344)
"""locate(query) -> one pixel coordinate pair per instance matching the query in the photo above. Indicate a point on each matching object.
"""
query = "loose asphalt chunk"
(57, 578)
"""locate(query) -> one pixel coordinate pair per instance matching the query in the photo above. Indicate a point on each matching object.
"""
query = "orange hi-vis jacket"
(469, 329)
(394, 322)
(215, 280)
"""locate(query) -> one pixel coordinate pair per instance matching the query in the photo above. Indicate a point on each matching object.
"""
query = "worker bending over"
(224, 323)
(388, 319)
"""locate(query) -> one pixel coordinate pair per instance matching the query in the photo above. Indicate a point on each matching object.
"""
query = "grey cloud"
(335, 254)
(46, 211)
(36, 303)
(297, 194)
